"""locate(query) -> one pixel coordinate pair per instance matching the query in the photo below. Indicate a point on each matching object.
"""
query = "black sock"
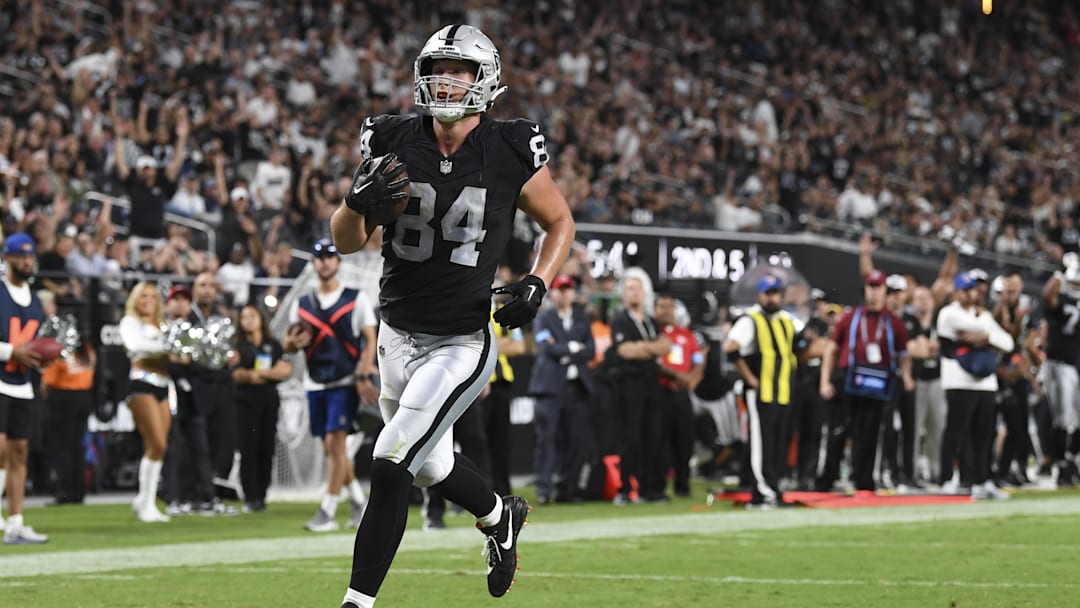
(380, 532)
(1058, 439)
(467, 487)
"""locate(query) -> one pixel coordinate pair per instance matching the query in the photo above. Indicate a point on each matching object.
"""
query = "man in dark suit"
(561, 382)
(205, 414)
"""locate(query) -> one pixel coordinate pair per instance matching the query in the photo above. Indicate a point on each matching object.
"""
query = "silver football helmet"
(1070, 282)
(465, 43)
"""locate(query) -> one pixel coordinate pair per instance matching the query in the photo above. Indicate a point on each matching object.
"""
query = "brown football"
(388, 214)
(47, 349)
(301, 326)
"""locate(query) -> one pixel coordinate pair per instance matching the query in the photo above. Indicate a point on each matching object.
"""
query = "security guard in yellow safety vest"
(765, 344)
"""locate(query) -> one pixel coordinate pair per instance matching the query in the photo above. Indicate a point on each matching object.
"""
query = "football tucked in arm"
(379, 190)
(47, 349)
(301, 327)
(387, 214)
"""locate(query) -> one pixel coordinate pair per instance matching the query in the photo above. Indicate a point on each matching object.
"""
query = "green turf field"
(1015, 553)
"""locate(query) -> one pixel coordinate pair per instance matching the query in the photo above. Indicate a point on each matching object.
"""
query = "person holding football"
(335, 327)
(148, 390)
(445, 189)
(21, 314)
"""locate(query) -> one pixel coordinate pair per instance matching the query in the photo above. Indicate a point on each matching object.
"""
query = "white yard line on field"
(743, 580)
(13, 565)
(709, 580)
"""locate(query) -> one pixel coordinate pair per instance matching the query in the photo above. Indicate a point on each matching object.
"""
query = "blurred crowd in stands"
(193, 136)
(908, 117)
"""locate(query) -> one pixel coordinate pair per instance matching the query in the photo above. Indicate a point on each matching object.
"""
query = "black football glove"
(377, 183)
(528, 293)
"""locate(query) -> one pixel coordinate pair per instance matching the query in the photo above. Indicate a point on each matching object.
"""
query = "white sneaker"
(887, 481)
(991, 490)
(174, 509)
(151, 514)
(321, 522)
(23, 535)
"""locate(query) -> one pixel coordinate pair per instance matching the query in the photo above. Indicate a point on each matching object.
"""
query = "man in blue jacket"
(561, 382)
(21, 315)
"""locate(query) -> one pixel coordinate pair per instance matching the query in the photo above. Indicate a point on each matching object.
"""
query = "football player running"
(1061, 306)
(464, 176)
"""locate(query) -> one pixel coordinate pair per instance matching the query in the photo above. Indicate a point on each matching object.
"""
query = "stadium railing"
(923, 246)
(15, 82)
(209, 233)
(95, 17)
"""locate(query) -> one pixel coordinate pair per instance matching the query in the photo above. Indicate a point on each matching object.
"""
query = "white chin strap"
(445, 114)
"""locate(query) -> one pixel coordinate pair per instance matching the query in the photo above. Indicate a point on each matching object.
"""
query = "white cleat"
(23, 535)
(989, 491)
(151, 514)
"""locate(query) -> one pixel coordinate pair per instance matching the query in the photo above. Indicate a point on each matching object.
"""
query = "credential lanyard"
(861, 321)
(645, 329)
(862, 328)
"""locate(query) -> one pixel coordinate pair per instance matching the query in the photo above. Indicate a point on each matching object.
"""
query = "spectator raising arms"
(148, 189)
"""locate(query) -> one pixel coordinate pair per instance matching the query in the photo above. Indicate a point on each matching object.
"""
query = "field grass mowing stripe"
(175, 555)
(600, 576)
(758, 540)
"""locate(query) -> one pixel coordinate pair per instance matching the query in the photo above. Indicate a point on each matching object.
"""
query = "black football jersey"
(1061, 335)
(440, 256)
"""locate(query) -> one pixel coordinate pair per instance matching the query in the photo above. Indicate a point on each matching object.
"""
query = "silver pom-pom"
(217, 343)
(64, 330)
(209, 345)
